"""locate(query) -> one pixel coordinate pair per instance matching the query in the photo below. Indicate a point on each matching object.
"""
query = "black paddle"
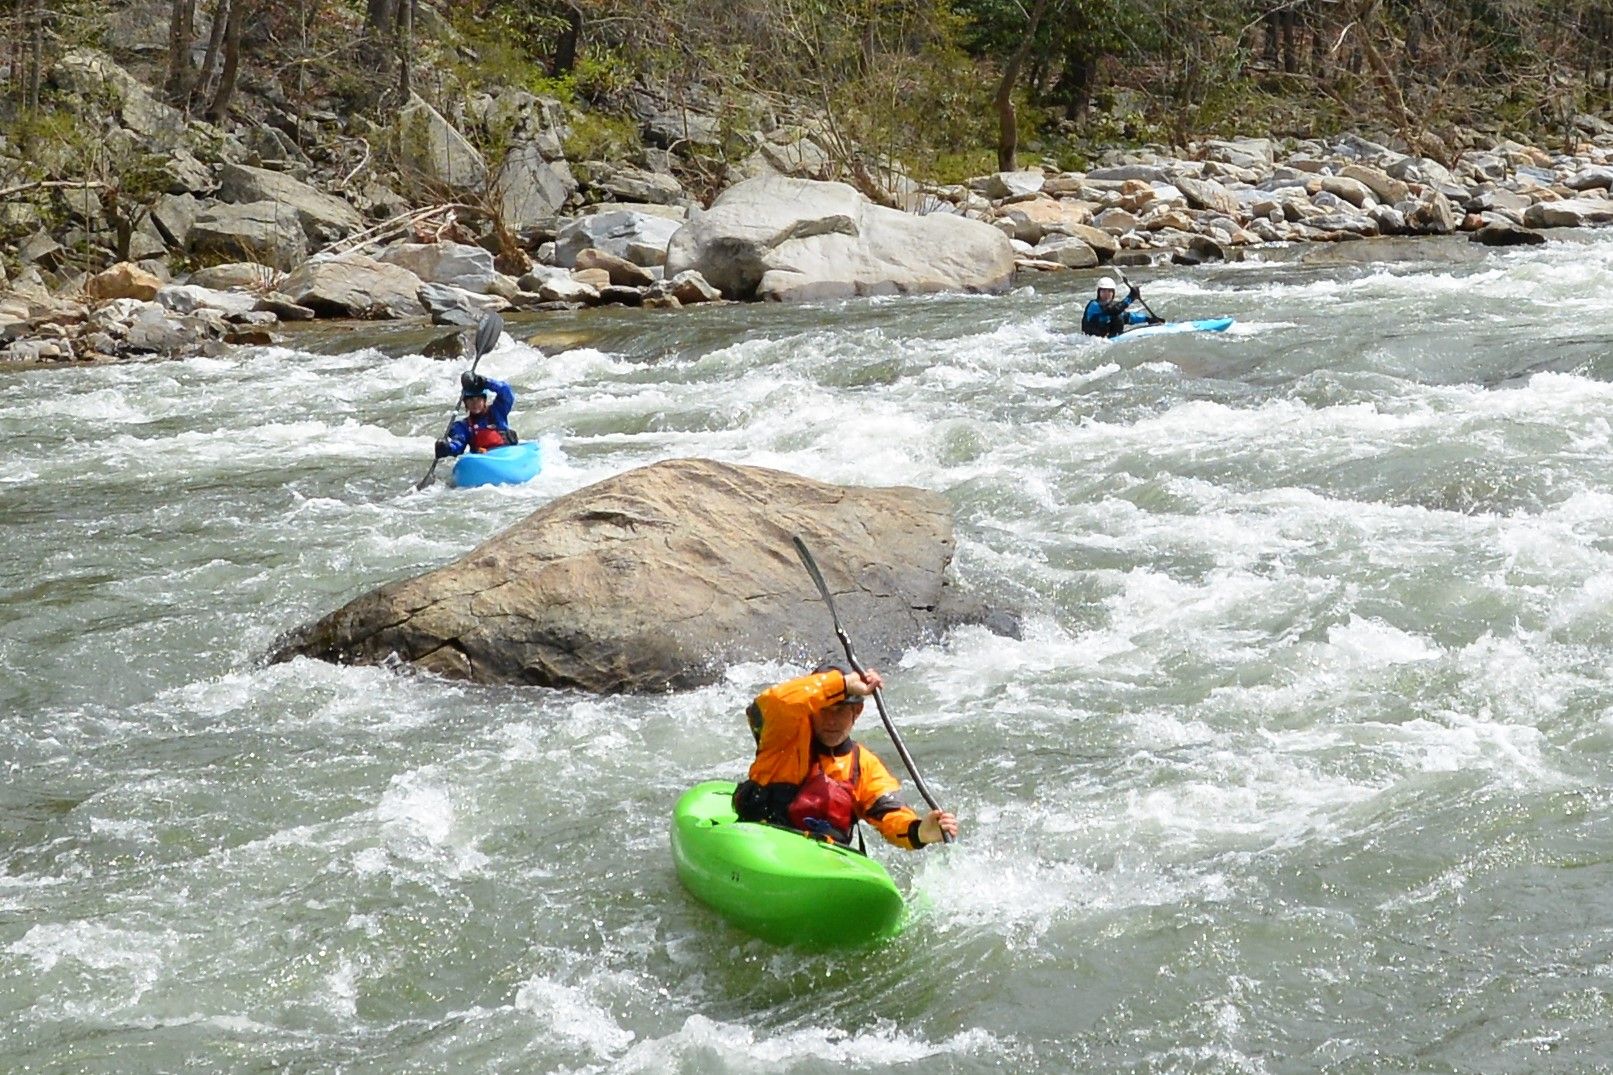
(1140, 298)
(851, 658)
(487, 334)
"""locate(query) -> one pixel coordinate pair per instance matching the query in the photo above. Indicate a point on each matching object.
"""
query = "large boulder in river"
(659, 578)
(798, 239)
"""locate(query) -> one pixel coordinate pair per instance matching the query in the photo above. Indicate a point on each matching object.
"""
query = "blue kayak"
(1209, 324)
(509, 465)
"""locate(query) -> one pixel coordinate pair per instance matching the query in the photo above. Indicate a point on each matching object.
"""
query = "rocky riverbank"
(244, 238)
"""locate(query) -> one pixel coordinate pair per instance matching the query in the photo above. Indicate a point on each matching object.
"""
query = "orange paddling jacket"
(787, 753)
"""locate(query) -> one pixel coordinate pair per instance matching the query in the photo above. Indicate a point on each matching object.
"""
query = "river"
(1300, 766)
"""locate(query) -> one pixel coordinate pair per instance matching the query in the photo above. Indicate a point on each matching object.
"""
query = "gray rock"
(1433, 214)
(535, 278)
(436, 155)
(624, 184)
(188, 298)
(568, 290)
(456, 264)
(89, 73)
(633, 236)
(324, 217)
(245, 275)
(283, 308)
(676, 127)
(1251, 153)
(354, 286)
(689, 288)
(1009, 184)
(40, 249)
(1067, 251)
(152, 330)
(1569, 213)
(1390, 221)
(1427, 172)
(1353, 191)
(530, 188)
(792, 239)
(174, 215)
(449, 305)
(617, 295)
(1590, 179)
(560, 599)
(187, 175)
(265, 232)
(622, 272)
(1148, 173)
(1208, 194)
(1116, 221)
(1495, 234)
(1357, 223)
(1500, 199)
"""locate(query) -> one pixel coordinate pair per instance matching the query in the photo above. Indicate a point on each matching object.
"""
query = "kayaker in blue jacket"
(485, 425)
(1107, 316)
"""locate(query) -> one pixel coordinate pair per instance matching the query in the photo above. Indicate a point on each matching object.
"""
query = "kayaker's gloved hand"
(443, 451)
(472, 382)
(1135, 293)
(1156, 320)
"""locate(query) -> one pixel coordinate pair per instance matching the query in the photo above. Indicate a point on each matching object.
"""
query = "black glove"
(442, 449)
(1156, 320)
(472, 382)
(1135, 293)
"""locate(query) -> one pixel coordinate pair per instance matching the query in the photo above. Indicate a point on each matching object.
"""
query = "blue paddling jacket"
(462, 434)
(1111, 320)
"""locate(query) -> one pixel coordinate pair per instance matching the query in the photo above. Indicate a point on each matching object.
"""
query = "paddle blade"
(488, 332)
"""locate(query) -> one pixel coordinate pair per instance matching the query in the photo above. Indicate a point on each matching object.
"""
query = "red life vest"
(484, 438)
(824, 799)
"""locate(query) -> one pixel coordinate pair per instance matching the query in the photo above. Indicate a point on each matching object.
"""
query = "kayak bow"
(778, 884)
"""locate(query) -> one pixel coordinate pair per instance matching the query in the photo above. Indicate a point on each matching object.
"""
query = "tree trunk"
(1007, 121)
(377, 48)
(207, 79)
(220, 106)
(181, 26)
(405, 39)
(565, 49)
(36, 58)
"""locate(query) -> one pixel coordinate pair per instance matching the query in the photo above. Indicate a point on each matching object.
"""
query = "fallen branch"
(401, 222)
(52, 184)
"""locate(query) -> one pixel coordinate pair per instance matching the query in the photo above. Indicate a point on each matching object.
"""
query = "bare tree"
(181, 25)
(1007, 119)
(219, 107)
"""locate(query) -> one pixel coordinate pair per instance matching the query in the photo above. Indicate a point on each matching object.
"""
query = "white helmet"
(1106, 283)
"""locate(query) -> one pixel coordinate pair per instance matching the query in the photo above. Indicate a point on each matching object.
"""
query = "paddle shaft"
(487, 334)
(1140, 298)
(851, 658)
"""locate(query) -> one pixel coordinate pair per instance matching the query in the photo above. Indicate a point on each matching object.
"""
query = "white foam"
(745, 1048)
(569, 1013)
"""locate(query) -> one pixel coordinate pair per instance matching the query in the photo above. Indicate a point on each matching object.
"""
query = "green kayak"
(778, 884)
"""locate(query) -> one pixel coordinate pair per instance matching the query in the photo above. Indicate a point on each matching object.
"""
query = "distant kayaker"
(485, 425)
(1108, 316)
(811, 775)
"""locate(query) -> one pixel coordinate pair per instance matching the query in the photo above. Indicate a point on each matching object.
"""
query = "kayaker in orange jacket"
(811, 775)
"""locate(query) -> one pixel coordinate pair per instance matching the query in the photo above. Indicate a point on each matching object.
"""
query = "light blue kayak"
(509, 465)
(1209, 324)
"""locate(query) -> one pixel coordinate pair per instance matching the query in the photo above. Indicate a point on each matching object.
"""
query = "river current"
(1301, 765)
